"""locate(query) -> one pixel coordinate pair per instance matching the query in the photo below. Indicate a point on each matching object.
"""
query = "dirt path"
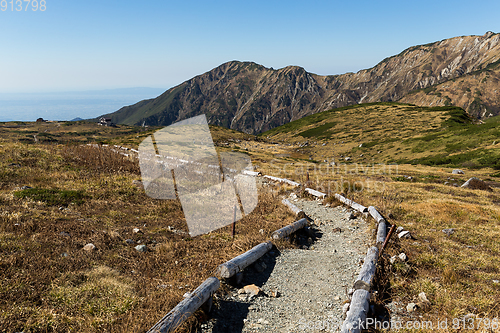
(312, 283)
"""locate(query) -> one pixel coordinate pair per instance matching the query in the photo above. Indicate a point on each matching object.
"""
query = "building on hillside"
(105, 121)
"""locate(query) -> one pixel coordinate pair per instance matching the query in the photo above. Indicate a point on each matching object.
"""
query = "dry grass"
(50, 284)
(116, 288)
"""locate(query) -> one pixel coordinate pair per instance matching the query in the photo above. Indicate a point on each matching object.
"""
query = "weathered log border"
(360, 301)
(289, 229)
(197, 298)
(186, 307)
(296, 210)
(282, 180)
(318, 194)
(350, 203)
(239, 263)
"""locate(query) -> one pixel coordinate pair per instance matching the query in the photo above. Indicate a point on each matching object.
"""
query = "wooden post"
(289, 229)
(186, 307)
(236, 265)
(234, 222)
(391, 230)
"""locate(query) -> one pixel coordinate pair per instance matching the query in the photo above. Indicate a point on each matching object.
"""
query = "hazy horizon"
(67, 105)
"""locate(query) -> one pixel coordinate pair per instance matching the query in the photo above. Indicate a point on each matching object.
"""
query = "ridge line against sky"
(92, 45)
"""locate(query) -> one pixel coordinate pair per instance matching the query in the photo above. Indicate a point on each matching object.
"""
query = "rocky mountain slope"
(462, 71)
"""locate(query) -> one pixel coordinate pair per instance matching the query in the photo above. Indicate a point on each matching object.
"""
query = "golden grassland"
(82, 195)
(49, 284)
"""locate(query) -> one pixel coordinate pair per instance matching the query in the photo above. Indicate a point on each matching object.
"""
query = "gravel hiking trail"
(303, 290)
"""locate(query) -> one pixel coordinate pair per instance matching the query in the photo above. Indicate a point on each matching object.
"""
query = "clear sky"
(79, 45)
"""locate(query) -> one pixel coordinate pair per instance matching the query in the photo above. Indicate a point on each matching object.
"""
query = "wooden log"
(186, 307)
(296, 210)
(350, 203)
(316, 193)
(282, 180)
(369, 266)
(382, 224)
(239, 263)
(289, 229)
(251, 173)
(358, 309)
(375, 214)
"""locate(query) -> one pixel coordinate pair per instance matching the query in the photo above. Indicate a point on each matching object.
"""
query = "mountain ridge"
(252, 98)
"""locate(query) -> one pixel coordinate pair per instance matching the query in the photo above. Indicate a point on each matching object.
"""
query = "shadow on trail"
(228, 313)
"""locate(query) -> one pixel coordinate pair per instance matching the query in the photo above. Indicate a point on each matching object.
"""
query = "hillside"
(461, 71)
(388, 133)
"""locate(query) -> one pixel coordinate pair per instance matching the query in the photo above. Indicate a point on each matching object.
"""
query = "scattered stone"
(403, 257)
(400, 229)
(347, 158)
(411, 307)
(345, 308)
(351, 216)
(141, 248)
(457, 172)
(261, 231)
(274, 294)
(252, 289)
(89, 247)
(423, 298)
(393, 259)
(404, 234)
(469, 316)
(361, 145)
(64, 234)
(448, 231)
(337, 229)
(137, 231)
(475, 183)
(17, 165)
(447, 183)
(129, 241)
(496, 281)
(64, 255)
(25, 187)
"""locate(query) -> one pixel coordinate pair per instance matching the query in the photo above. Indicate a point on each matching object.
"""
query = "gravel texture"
(303, 290)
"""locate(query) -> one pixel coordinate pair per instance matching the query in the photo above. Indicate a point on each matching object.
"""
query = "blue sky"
(80, 45)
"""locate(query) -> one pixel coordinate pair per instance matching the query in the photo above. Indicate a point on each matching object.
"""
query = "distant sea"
(70, 105)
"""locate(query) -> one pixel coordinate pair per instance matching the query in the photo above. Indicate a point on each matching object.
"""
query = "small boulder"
(475, 183)
(137, 231)
(448, 231)
(411, 307)
(404, 234)
(89, 247)
(423, 298)
(345, 308)
(252, 289)
(403, 257)
(457, 172)
(141, 248)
